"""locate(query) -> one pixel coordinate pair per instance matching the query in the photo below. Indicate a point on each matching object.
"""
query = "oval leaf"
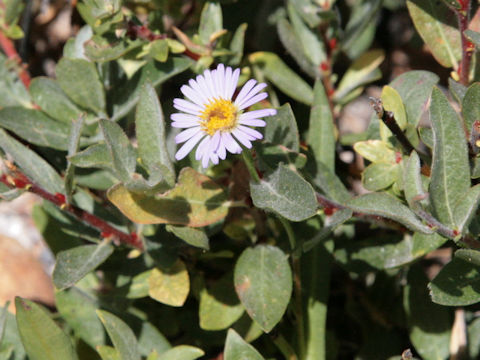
(450, 177)
(73, 264)
(79, 80)
(191, 236)
(195, 201)
(383, 204)
(263, 281)
(182, 352)
(121, 335)
(466, 208)
(471, 105)
(41, 337)
(236, 348)
(170, 286)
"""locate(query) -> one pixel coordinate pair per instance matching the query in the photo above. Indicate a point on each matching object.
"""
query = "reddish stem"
(19, 180)
(463, 16)
(11, 52)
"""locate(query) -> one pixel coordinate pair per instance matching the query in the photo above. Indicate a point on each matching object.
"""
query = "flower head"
(212, 119)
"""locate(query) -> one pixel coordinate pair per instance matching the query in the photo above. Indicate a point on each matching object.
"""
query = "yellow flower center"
(219, 114)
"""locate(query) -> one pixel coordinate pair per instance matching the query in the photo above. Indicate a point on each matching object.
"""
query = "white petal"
(231, 144)
(253, 122)
(188, 146)
(187, 134)
(181, 120)
(253, 100)
(253, 92)
(221, 151)
(245, 90)
(257, 114)
(201, 147)
(251, 132)
(191, 94)
(199, 91)
(243, 138)
(211, 83)
(220, 81)
(228, 83)
(187, 106)
(202, 83)
(214, 158)
(205, 159)
(233, 83)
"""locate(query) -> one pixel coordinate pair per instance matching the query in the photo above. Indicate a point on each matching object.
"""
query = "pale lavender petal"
(245, 90)
(199, 90)
(220, 80)
(192, 95)
(214, 142)
(228, 83)
(221, 151)
(188, 146)
(233, 83)
(202, 83)
(214, 158)
(231, 144)
(202, 147)
(257, 114)
(253, 122)
(181, 120)
(253, 100)
(210, 82)
(187, 134)
(243, 138)
(251, 132)
(252, 93)
(205, 159)
(186, 106)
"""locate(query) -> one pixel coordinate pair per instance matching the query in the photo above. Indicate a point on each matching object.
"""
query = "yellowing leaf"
(375, 151)
(170, 286)
(195, 201)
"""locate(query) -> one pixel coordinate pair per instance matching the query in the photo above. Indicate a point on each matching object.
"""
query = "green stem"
(297, 272)
(249, 162)
(284, 347)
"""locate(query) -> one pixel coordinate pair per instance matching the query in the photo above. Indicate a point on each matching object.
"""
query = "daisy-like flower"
(212, 119)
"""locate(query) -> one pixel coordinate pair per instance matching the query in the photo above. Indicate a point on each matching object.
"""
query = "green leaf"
(457, 90)
(473, 36)
(426, 134)
(126, 96)
(309, 11)
(270, 155)
(32, 164)
(450, 177)
(412, 182)
(471, 105)
(47, 94)
(321, 132)
(263, 281)
(385, 205)
(96, 156)
(150, 130)
(363, 71)
(211, 21)
(219, 305)
(74, 47)
(392, 101)
(437, 26)
(466, 207)
(281, 129)
(78, 310)
(312, 47)
(291, 43)
(379, 176)
(276, 71)
(474, 338)
(159, 50)
(195, 201)
(73, 264)
(330, 184)
(3, 320)
(415, 88)
(330, 224)
(150, 338)
(120, 149)
(121, 335)
(73, 145)
(457, 283)
(286, 193)
(35, 127)
(41, 337)
(429, 324)
(236, 348)
(170, 286)
(376, 151)
(99, 49)
(182, 352)
(191, 236)
(237, 44)
(108, 352)
(79, 80)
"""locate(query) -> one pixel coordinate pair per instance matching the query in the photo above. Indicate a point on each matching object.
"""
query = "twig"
(17, 179)
(463, 15)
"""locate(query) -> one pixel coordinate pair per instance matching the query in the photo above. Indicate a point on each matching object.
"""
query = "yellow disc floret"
(219, 114)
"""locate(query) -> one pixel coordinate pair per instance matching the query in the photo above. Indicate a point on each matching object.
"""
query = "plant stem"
(284, 347)
(249, 162)
(463, 16)
(16, 179)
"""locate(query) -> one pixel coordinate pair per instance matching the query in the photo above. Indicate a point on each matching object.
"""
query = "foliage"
(161, 259)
